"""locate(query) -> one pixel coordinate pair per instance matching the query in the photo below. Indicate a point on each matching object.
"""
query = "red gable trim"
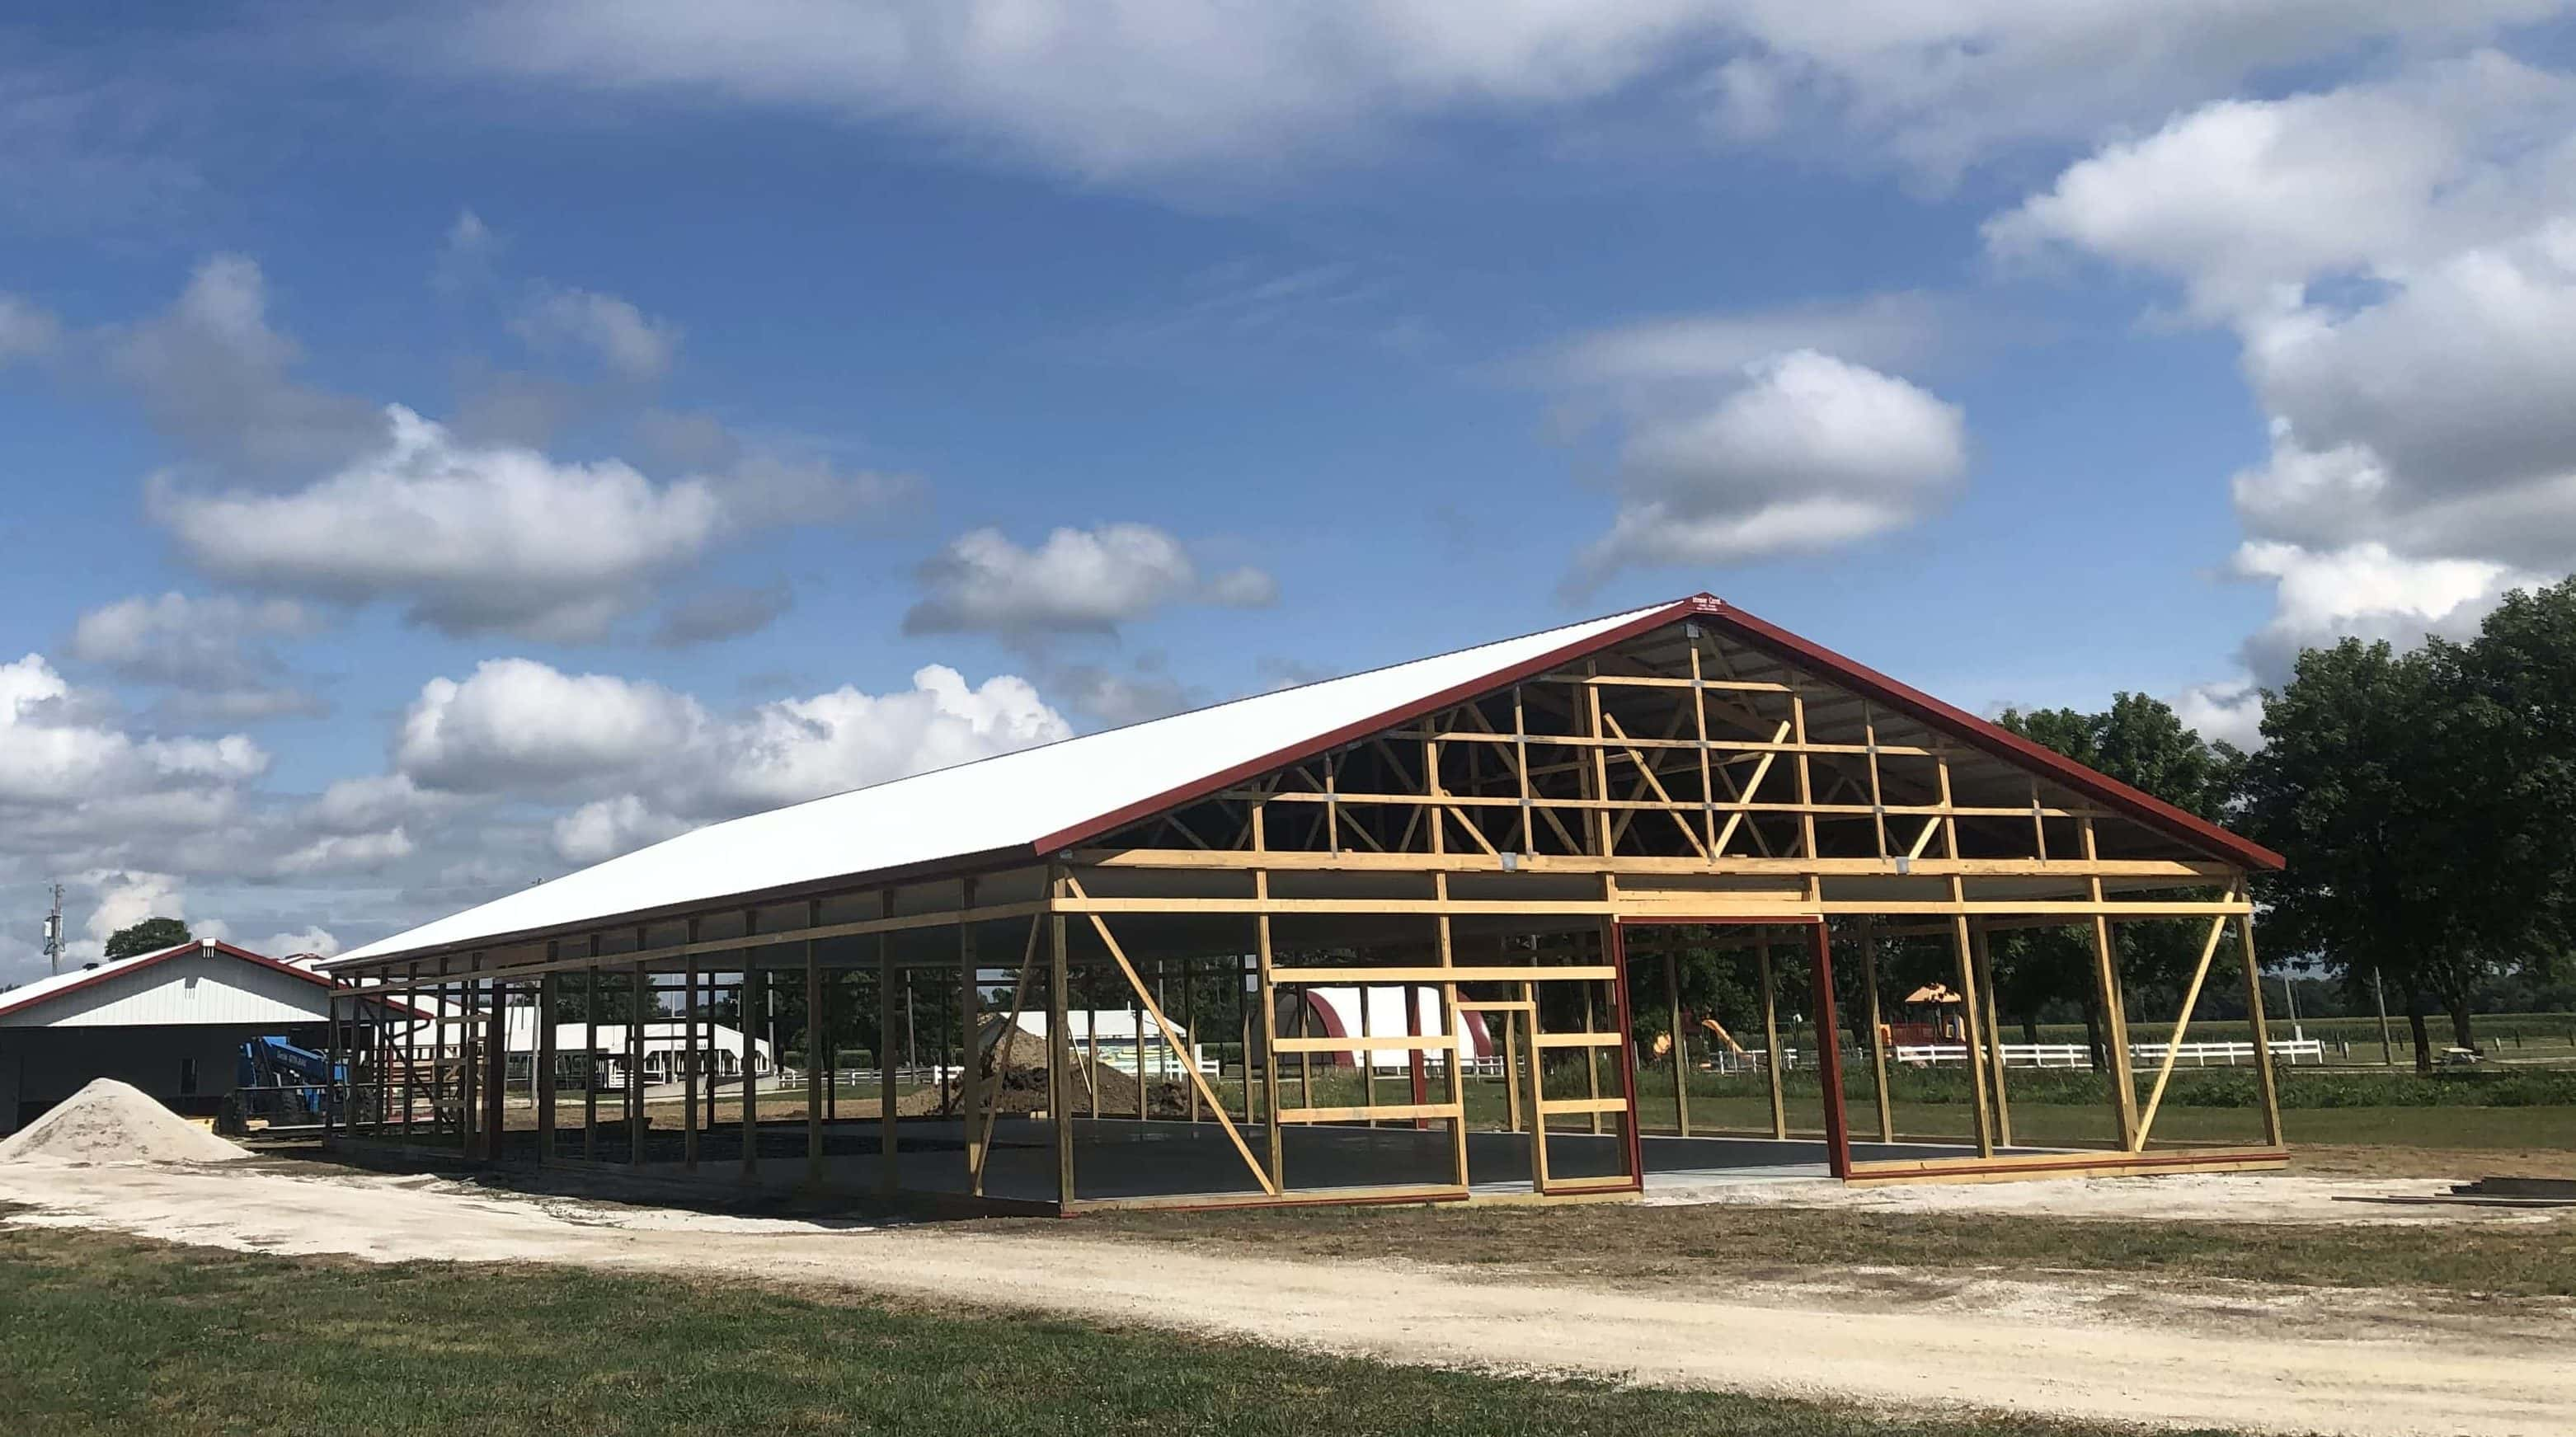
(18, 1003)
(1459, 693)
(2003, 743)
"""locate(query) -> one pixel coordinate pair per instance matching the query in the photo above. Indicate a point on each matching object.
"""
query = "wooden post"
(411, 1044)
(755, 1016)
(1770, 1032)
(712, 1054)
(638, 1009)
(1969, 1025)
(1452, 1024)
(2115, 1008)
(970, 1082)
(1673, 1006)
(1829, 1060)
(1266, 975)
(814, 1068)
(1993, 1056)
(549, 988)
(1190, 1020)
(889, 1143)
(1136, 1020)
(1060, 1038)
(334, 1089)
(1592, 1055)
(496, 1046)
(690, 1055)
(1537, 1088)
(1367, 1056)
(590, 1057)
(2266, 1081)
(1877, 1027)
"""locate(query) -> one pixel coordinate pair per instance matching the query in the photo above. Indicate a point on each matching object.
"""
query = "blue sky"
(751, 361)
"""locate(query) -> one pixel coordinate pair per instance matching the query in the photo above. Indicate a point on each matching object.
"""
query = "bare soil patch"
(2361, 1363)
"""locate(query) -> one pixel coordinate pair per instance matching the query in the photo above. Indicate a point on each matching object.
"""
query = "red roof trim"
(14, 1004)
(2146, 808)
(1197, 789)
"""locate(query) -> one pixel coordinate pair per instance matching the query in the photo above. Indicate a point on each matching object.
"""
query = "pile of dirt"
(1020, 1058)
(113, 1122)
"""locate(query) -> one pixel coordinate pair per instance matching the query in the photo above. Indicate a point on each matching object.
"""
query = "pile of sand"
(113, 1122)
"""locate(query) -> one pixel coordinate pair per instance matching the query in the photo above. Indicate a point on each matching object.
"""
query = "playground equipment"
(1723, 1036)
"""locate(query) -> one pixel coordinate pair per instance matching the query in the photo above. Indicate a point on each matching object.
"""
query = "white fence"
(2077, 1055)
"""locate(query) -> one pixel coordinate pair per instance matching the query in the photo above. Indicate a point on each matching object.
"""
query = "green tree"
(2506, 755)
(2143, 743)
(149, 936)
(2349, 788)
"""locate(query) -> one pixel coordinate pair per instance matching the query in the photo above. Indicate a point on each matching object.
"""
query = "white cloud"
(54, 751)
(648, 761)
(2368, 591)
(214, 374)
(2398, 261)
(604, 828)
(465, 255)
(519, 723)
(347, 853)
(2247, 201)
(123, 900)
(314, 940)
(2230, 711)
(1078, 581)
(1809, 453)
(26, 331)
(472, 540)
(620, 336)
(214, 649)
(1884, 331)
(726, 611)
(1150, 90)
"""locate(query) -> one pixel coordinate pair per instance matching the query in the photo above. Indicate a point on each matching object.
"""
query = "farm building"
(662, 1050)
(172, 1023)
(1560, 834)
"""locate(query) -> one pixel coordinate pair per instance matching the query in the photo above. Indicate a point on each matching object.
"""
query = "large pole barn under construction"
(1567, 839)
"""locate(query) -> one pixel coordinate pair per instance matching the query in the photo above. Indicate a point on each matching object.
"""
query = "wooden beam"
(2266, 1081)
(889, 1125)
(1877, 1027)
(2182, 1024)
(1180, 1049)
(1770, 1032)
(1970, 1029)
(1994, 1052)
(970, 1053)
(1059, 1040)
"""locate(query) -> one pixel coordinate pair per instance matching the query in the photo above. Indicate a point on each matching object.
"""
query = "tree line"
(2425, 800)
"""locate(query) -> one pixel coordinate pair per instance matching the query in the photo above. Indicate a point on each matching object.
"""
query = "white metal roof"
(194, 983)
(1015, 800)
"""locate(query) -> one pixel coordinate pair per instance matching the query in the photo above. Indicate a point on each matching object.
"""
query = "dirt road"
(2345, 1363)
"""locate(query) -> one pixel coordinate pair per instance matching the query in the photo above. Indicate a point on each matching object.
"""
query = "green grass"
(104, 1334)
(1661, 1246)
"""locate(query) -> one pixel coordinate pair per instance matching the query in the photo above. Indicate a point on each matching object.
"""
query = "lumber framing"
(1511, 862)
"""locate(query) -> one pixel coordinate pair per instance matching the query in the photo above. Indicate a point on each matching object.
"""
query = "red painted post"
(1829, 1060)
(1627, 1050)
